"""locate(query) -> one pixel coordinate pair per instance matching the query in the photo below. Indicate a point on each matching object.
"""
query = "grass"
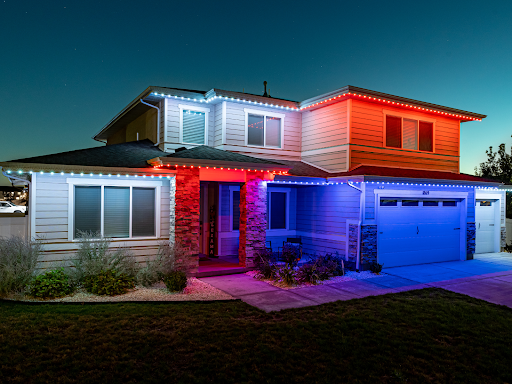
(428, 335)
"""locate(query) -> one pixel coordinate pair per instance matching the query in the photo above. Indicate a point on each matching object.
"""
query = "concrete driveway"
(488, 277)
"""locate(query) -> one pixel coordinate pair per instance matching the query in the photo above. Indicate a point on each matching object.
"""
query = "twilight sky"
(67, 67)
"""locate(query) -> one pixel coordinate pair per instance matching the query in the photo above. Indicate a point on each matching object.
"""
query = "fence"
(14, 224)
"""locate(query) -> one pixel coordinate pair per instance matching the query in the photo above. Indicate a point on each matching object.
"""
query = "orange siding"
(325, 127)
(332, 161)
(367, 130)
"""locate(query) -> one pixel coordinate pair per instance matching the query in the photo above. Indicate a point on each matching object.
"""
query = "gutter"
(157, 121)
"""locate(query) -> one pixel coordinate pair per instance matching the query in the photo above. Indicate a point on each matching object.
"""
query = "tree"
(498, 167)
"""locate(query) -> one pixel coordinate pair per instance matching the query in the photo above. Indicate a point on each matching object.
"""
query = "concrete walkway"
(488, 277)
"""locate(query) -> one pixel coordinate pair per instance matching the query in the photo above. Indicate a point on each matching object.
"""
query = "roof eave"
(172, 161)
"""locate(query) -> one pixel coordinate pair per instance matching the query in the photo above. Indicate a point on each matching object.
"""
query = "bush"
(290, 254)
(175, 281)
(376, 267)
(307, 273)
(153, 271)
(18, 261)
(321, 268)
(286, 275)
(108, 282)
(94, 256)
(264, 263)
(50, 285)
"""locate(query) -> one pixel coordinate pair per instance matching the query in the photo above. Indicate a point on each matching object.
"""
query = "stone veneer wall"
(503, 238)
(368, 245)
(470, 240)
(353, 234)
(172, 210)
(253, 218)
(186, 211)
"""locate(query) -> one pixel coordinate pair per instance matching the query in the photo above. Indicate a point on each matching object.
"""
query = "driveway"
(488, 277)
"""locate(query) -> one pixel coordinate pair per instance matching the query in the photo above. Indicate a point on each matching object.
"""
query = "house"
(372, 176)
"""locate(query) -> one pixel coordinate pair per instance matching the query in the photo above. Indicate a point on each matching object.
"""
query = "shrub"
(285, 274)
(153, 271)
(109, 282)
(290, 254)
(18, 261)
(508, 247)
(95, 256)
(175, 281)
(320, 268)
(264, 263)
(307, 273)
(50, 285)
(376, 267)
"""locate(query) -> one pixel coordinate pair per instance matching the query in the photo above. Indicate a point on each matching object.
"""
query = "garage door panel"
(418, 235)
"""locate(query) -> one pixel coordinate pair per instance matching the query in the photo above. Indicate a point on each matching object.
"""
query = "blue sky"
(67, 67)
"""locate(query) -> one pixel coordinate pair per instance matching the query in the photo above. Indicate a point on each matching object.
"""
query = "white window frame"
(82, 182)
(269, 203)
(403, 116)
(265, 114)
(232, 188)
(206, 111)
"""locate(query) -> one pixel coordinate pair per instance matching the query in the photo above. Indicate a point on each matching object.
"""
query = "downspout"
(361, 197)
(157, 121)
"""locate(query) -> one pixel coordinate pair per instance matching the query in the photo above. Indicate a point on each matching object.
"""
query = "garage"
(417, 231)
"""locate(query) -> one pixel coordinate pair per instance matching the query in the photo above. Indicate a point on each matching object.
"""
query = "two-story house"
(372, 176)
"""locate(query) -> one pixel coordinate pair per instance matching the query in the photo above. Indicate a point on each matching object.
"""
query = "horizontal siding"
(332, 161)
(51, 221)
(402, 159)
(367, 129)
(217, 134)
(172, 115)
(325, 127)
(235, 127)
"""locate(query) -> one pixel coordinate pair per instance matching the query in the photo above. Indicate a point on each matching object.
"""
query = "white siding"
(51, 220)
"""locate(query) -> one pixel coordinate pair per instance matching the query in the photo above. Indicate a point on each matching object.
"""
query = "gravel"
(196, 290)
(349, 276)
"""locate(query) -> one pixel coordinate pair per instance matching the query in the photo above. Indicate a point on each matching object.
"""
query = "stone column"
(368, 245)
(186, 228)
(253, 218)
(470, 240)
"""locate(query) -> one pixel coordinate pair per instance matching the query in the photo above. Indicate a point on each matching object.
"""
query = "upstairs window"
(193, 125)
(264, 129)
(408, 133)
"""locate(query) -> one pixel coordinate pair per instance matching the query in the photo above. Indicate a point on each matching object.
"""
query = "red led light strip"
(220, 168)
(350, 94)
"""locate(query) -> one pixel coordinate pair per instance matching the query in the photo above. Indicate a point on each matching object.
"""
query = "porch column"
(186, 222)
(253, 218)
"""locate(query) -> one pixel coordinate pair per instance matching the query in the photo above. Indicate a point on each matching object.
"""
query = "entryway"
(487, 221)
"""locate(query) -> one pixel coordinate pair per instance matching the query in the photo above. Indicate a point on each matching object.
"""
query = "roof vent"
(180, 149)
(265, 85)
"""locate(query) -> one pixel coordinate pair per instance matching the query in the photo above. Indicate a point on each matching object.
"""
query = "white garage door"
(418, 231)
(484, 214)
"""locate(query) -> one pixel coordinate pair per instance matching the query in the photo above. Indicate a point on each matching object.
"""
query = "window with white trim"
(407, 133)
(277, 209)
(264, 129)
(114, 211)
(193, 125)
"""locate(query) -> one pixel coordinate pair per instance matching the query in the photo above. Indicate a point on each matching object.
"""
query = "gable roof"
(125, 155)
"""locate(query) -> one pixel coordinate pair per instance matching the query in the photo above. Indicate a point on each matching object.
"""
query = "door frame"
(497, 216)
(427, 194)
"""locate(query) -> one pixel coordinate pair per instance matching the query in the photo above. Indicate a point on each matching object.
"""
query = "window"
(264, 129)
(114, 211)
(276, 210)
(430, 203)
(449, 203)
(388, 203)
(236, 211)
(410, 203)
(409, 134)
(193, 125)
(485, 203)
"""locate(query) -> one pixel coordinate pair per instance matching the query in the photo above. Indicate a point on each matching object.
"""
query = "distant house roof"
(134, 154)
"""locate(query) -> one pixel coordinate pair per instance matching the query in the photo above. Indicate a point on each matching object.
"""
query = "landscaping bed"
(196, 290)
(348, 276)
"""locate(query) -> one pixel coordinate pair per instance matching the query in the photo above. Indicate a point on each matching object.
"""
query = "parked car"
(8, 207)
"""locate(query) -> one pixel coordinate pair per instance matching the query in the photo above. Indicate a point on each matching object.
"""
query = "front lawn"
(429, 335)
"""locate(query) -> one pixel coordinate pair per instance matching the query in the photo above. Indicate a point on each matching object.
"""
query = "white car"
(8, 207)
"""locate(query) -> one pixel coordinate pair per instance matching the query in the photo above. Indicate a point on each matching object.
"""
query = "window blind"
(143, 212)
(87, 213)
(393, 132)
(194, 124)
(273, 138)
(410, 134)
(116, 209)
